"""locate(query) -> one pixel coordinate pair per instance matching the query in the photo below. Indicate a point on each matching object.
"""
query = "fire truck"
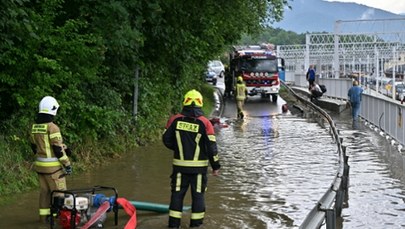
(259, 67)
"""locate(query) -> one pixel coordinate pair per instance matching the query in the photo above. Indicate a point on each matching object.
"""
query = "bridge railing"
(329, 207)
(386, 115)
(381, 111)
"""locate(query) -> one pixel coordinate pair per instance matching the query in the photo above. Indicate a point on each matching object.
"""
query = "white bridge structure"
(356, 48)
(372, 51)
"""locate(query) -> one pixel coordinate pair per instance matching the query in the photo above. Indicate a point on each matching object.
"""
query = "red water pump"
(83, 208)
(65, 219)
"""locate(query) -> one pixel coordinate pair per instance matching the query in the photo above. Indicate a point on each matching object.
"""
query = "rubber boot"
(174, 222)
(45, 219)
(241, 115)
(196, 223)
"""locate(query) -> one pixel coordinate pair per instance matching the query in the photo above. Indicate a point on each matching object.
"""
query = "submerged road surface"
(275, 167)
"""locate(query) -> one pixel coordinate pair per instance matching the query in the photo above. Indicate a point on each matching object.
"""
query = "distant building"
(399, 72)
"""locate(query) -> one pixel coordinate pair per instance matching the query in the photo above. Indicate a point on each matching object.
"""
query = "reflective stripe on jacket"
(240, 91)
(44, 136)
(194, 144)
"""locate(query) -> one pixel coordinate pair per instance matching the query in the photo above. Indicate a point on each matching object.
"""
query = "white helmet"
(48, 105)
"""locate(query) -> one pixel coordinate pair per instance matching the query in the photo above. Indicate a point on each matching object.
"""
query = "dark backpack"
(323, 88)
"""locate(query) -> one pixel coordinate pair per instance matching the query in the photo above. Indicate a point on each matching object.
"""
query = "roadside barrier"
(329, 207)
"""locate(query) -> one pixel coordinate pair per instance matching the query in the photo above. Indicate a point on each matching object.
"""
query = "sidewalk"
(331, 104)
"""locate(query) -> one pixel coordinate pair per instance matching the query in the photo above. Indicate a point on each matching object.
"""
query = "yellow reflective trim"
(63, 158)
(56, 135)
(199, 182)
(188, 163)
(186, 126)
(199, 215)
(212, 138)
(47, 147)
(216, 158)
(175, 214)
(180, 145)
(178, 182)
(43, 129)
(197, 148)
(39, 129)
(44, 211)
(47, 164)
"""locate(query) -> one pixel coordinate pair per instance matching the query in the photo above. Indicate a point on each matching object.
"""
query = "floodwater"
(377, 178)
(275, 167)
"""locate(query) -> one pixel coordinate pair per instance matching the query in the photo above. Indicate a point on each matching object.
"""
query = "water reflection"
(265, 178)
(267, 162)
(275, 169)
(376, 188)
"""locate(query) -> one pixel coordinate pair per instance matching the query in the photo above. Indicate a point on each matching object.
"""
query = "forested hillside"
(317, 16)
(275, 36)
(86, 54)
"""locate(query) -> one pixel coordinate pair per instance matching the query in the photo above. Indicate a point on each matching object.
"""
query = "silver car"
(211, 77)
(399, 92)
(217, 67)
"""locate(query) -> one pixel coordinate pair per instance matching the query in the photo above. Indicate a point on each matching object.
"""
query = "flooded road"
(275, 167)
(377, 178)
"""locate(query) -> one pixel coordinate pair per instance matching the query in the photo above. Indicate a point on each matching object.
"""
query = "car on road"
(217, 67)
(399, 91)
(211, 76)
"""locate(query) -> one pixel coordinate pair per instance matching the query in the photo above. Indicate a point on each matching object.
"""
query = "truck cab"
(259, 68)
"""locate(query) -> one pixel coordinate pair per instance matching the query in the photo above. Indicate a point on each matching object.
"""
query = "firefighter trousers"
(180, 183)
(47, 184)
(239, 106)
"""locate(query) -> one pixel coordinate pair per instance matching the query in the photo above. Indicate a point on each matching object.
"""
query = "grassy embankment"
(16, 158)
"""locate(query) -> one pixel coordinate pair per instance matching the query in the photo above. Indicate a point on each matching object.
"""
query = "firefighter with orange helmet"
(191, 136)
(52, 161)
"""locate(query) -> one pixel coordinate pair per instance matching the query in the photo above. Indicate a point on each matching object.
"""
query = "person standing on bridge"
(354, 95)
(52, 162)
(310, 76)
(240, 96)
(191, 136)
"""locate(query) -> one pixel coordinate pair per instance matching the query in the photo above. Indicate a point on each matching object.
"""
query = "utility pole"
(136, 91)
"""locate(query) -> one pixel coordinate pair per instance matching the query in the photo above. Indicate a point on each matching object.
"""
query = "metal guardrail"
(386, 114)
(329, 207)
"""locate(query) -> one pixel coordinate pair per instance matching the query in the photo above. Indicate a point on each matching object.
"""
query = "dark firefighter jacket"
(192, 138)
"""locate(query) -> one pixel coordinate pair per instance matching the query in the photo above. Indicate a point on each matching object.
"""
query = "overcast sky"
(394, 6)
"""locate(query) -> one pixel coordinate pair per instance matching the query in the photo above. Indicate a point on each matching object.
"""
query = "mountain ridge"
(320, 16)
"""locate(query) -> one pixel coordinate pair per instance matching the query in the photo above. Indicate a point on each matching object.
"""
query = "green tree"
(86, 53)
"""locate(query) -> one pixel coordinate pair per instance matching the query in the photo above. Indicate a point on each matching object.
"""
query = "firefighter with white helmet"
(191, 136)
(52, 161)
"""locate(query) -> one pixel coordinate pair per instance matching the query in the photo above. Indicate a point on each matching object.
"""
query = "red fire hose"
(130, 210)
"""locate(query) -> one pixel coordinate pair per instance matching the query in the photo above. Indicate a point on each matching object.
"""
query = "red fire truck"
(259, 67)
